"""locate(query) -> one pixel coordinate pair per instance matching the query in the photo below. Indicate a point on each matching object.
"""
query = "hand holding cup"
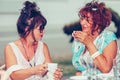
(52, 67)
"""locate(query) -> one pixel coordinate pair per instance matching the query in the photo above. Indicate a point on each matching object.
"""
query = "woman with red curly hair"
(94, 44)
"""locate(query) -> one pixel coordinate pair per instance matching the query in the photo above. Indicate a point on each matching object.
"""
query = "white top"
(37, 59)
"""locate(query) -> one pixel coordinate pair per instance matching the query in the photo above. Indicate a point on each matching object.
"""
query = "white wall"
(56, 11)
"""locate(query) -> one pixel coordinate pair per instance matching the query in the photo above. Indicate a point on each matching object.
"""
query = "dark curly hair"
(101, 15)
(31, 12)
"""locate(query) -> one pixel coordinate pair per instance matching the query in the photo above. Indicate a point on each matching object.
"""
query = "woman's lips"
(84, 29)
(41, 35)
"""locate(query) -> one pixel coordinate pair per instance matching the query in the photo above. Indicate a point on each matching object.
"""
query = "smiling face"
(95, 17)
(86, 23)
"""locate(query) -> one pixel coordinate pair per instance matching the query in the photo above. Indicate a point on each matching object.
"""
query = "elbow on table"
(106, 69)
(14, 76)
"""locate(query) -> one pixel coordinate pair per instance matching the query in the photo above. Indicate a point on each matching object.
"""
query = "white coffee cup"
(51, 69)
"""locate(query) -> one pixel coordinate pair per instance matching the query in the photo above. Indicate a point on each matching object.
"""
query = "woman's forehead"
(87, 14)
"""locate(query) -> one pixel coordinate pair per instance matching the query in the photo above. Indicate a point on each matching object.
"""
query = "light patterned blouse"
(81, 61)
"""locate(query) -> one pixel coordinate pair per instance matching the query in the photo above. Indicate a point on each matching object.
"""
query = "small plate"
(78, 78)
(105, 75)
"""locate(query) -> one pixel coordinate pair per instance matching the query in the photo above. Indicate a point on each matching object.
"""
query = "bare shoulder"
(111, 49)
(46, 53)
(112, 44)
(7, 48)
(9, 56)
(45, 46)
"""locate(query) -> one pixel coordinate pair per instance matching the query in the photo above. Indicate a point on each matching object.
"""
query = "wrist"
(96, 54)
(33, 70)
(90, 45)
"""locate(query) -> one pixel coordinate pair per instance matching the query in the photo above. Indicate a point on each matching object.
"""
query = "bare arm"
(105, 60)
(46, 53)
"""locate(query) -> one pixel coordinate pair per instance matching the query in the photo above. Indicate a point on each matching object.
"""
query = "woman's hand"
(41, 69)
(58, 74)
(83, 37)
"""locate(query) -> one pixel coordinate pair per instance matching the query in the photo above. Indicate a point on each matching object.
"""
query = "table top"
(103, 76)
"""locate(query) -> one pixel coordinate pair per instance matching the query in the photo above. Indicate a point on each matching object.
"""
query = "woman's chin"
(85, 31)
(38, 39)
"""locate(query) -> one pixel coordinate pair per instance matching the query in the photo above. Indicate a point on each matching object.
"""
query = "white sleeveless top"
(37, 59)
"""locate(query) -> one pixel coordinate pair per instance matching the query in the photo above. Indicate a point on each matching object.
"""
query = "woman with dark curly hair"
(27, 57)
(94, 45)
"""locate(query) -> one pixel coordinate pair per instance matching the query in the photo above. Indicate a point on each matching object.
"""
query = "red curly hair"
(101, 15)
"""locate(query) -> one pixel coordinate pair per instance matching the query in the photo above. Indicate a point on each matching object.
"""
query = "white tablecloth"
(98, 77)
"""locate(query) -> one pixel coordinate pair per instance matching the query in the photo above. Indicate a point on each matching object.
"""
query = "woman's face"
(38, 33)
(86, 23)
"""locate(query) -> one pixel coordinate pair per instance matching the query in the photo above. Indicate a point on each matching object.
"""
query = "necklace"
(27, 55)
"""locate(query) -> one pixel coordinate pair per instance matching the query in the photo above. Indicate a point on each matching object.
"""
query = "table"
(103, 76)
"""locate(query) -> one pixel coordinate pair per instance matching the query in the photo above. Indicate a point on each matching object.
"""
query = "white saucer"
(105, 75)
(78, 78)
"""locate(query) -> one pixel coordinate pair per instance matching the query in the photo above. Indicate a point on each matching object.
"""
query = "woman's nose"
(83, 21)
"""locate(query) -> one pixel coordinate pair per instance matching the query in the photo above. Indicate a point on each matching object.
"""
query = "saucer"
(78, 78)
(105, 75)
